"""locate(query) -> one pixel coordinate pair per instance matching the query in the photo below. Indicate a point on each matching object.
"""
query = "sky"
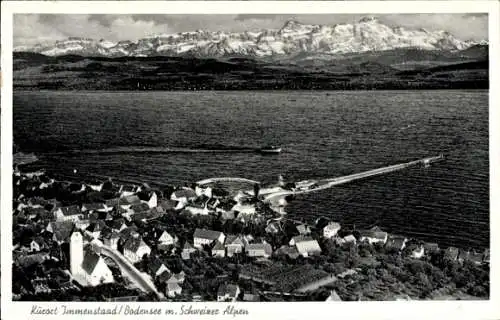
(30, 29)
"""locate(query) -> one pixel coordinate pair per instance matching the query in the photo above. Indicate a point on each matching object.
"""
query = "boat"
(270, 150)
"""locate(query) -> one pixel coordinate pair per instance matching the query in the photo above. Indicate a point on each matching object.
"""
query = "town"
(104, 241)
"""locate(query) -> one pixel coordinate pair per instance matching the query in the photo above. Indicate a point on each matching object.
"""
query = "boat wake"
(156, 150)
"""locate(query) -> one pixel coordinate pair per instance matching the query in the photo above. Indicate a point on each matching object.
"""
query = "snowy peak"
(294, 37)
(368, 20)
(291, 25)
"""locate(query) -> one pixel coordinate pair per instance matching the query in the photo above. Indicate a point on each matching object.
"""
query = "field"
(395, 69)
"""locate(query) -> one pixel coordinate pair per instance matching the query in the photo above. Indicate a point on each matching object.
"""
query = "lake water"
(323, 134)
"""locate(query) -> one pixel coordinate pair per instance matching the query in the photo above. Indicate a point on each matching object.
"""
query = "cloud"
(30, 29)
(243, 17)
(475, 15)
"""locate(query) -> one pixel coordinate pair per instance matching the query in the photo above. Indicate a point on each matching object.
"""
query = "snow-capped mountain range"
(368, 34)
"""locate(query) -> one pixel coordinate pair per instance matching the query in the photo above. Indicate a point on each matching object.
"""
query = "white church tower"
(76, 255)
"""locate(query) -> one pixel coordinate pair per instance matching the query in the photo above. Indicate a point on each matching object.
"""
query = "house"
(183, 195)
(61, 230)
(168, 204)
(94, 216)
(225, 205)
(244, 209)
(213, 203)
(123, 299)
(95, 207)
(396, 242)
(169, 277)
(20, 206)
(331, 230)
(187, 250)
(127, 233)
(40, 285)
(290, 251)
(112, 203)
(166, 239)
(431, 247)
(203, 237)
(135, 248)
(46, 184)
(53, 204)
(219, 250)
(33, 174)
(244, 218)
(95, 228)
(308, 247)
(349, 239)
(197, 298)
(471, 256)
(139, 208)
(226, 215)
(156, 267)
(177, 278)
(123, 202)
(228, 292)
(234, 244)
(259, 250)
(451, 253)
(418, 252)
(173, 289)
(150, 198)
(95, 186)
(77, 188)
(197, 210)
(118, 225)
(218, 193)
(37, 244)
(156, 212)
(486, 256)
(126, 191)
(106, 216)
(299, 238)
(143, 217)
(70, 213)
(203, 191)
(95, 270)
(303, 229)
(26, 261)
(333, 296)
(463, 255)
(36, 202)
(251, 297)
(374, 235)
(36, 213)
(273, 227)
(110, 238)
(475, 257)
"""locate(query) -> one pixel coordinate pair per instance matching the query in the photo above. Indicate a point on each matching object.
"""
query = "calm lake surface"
(323, 134)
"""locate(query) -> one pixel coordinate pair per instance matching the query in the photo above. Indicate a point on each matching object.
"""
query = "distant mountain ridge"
(293, 38)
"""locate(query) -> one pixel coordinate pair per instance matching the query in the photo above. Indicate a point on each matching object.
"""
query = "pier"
(225, 179)
(331, 182)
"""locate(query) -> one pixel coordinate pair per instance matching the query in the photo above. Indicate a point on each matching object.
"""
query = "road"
(131, 272)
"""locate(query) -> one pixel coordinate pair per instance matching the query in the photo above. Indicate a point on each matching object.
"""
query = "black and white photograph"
(271, 157)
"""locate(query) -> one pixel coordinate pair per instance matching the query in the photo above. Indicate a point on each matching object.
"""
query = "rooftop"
(90, 261)
(70, 210)
(133, 244)
(207, 234)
